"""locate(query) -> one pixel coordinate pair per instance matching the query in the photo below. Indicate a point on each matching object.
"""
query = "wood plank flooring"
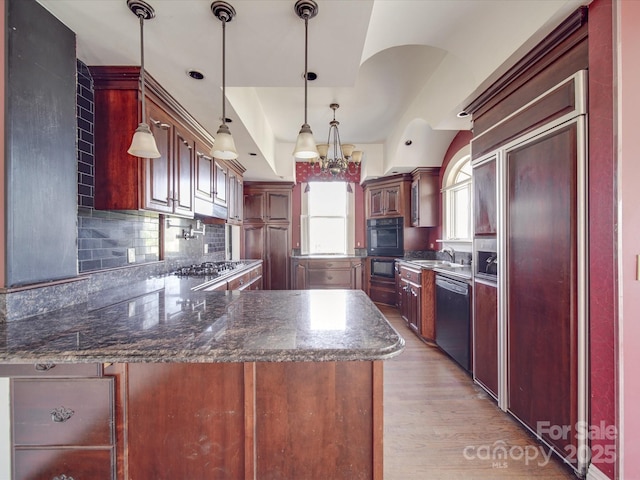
(439, 425)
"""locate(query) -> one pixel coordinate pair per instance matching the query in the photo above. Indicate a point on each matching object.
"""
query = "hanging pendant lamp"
(143, 144)
(223, 146)
(305, 144)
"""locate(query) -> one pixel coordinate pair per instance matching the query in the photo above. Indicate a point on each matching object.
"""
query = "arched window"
(456, 196)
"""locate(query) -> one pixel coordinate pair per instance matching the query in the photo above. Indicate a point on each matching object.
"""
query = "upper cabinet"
(425, 193)
(183, 181)
(388, 197)
(485, 196)
(235, 194)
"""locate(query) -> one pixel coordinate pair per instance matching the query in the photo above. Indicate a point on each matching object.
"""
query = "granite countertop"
(458, 272)
(327, 256)
(164, 320)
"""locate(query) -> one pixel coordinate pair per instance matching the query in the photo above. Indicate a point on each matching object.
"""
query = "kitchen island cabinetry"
(237, 384)
(63, 421)
(326, 273)
(267, 230)
(164, 184)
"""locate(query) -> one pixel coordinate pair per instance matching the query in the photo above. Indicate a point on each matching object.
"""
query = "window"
(327, 218)
(456, 195)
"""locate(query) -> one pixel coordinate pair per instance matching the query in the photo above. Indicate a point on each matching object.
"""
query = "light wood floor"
(439, 425)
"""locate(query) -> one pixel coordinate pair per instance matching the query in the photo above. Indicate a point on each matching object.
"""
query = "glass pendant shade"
(143, 144)
(305, 145)
(357, 156)
(224, 147)
(323, 149)
(347, 150)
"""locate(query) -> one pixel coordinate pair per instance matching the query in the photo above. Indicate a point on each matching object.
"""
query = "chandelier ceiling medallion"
(334, 156)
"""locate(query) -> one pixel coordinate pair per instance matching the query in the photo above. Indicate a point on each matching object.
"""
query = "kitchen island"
(235, 384)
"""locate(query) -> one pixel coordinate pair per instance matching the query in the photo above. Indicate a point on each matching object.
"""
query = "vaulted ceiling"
(400, 69)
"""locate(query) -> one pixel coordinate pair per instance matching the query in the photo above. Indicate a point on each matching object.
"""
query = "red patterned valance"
(305, 172)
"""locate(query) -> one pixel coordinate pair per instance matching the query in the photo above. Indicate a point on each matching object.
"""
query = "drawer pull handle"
(62, 477)
(44, 367)
(61, 414)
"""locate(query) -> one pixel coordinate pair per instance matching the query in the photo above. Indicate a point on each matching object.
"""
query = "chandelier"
(334, 156)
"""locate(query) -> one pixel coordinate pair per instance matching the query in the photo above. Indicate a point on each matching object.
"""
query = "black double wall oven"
(385, 237)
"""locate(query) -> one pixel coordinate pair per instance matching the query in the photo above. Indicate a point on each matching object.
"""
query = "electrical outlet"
(131, 255)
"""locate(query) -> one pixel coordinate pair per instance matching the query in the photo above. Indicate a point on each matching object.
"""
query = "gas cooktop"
(209, 269)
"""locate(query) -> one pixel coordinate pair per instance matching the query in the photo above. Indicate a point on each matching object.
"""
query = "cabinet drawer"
(62, 412)
(411, 275)
(67, 464)
(239, 283)
(329, 278)
(256, 272)
(51, 370)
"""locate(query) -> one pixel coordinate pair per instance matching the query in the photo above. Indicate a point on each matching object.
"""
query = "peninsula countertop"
(164, 320)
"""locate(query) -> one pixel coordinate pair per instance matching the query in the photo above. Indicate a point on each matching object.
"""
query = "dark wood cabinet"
(485, 334)
(388, 197)
(425, 194)
(236, 197)
(267, 230)
(416, 300)
(179, 182)
(485, 212)
(62, 427)
(250, 420)
(542, 290)
(309, 273)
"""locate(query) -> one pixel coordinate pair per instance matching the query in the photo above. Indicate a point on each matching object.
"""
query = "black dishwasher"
(453, 319)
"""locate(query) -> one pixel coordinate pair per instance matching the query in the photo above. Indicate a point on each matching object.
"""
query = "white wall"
(5, 431)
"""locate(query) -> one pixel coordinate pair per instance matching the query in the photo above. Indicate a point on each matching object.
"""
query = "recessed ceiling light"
(462, 114)
(253, 154)
(408, 142)
(311, 76)
(195, 74)
(226, 120)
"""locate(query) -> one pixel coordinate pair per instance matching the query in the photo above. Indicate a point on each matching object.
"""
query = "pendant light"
(143, 144)
(223, 146)
(305, 145)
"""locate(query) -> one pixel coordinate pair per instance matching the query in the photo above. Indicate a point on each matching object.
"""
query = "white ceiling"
(400, 69)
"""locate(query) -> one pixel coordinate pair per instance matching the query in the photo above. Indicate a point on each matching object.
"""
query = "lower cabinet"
(247, 280)
(485, 335)
(416, 300)
(289, 420)
(61, 427)
(339, 273)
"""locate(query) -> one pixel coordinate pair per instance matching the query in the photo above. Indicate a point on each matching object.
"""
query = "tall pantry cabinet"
(530, 329)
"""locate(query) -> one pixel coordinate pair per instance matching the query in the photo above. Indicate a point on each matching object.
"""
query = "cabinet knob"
(62, 477)
(61, 414)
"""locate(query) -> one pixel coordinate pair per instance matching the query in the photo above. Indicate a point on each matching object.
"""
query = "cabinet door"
(183, 173)
(203, 188)
(485, 338)
(278, 207)
(484, 197)
(254, 242)
(277, 262)
(415, 203)
(235, 197)
(542, 282)
(220, 194)
(376, 205)
(356, 276)
(158, 185)
(391, 201)
(254, 207)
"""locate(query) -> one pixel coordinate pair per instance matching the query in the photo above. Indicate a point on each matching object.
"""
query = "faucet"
(451, 253)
